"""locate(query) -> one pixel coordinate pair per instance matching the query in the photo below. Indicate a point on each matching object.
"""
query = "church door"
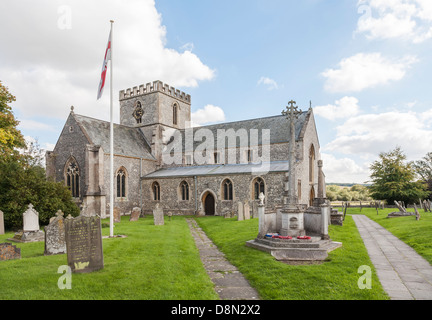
(209, 205)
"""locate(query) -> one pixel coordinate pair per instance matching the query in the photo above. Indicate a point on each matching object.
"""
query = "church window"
(184, 190)
(138, 112)
(156, 191)
(175, 110)
(258, 187)
(227, 190)
(121, 183)
(249, 155)
(311, 164)
(72, 178)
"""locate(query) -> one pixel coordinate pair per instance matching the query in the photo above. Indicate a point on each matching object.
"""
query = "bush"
(20, 186)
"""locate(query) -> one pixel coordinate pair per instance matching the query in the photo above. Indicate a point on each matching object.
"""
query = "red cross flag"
(104, 68)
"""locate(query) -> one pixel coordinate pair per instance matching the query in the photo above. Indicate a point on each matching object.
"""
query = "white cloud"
(49, 68)
(368, 135)
(366, 70)
(343, 108)
(344, 170)
(396, 19)
(209, 114)
(270, 83)
(34, 125)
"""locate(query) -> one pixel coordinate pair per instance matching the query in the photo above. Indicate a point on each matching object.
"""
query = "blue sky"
(364, 65)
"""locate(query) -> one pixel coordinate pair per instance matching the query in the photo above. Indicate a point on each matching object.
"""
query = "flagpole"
(111, 141)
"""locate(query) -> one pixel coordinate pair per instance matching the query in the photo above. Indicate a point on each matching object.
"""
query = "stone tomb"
(31, 231)
(158, 215)
(55, 242)
(135, 214)
(9, 252)
(84, 243)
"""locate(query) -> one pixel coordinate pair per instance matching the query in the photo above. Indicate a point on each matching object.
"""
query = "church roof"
(278, 125)
(128, 141)
(247, 168)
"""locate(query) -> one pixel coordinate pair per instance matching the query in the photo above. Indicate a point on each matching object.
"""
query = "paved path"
(403, 273)
(230, 284)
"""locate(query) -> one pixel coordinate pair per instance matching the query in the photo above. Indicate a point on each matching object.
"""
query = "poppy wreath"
(303, 237)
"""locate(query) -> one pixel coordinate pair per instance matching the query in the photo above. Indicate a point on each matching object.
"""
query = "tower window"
(175, 111)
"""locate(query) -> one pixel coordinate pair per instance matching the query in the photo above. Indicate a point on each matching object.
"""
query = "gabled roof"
(128, 141)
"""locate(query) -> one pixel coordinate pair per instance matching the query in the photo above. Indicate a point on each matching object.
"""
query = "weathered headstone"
(240, 215)
(254, 209)
(84, 243)
(246, 209)
(9, 252)
(158, 215)
(2, 231)
(116, 214)
(31, 231)
(55, 241)
(416, 212)
(135, 214)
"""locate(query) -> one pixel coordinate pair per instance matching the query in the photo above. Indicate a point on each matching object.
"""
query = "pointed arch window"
(258, 187)
(184, 190)
(156, 191)
(175, 114)
(72, 178)
(121, 183)
(227, 189)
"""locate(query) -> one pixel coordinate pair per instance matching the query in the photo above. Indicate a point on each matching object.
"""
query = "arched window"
(184, 191)
(72, 177)
(311, 164)
(175, 110)
(227, 189)
(259, 187)
(156, 191)
(121, 183)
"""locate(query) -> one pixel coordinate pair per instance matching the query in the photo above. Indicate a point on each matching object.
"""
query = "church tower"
(155, 108)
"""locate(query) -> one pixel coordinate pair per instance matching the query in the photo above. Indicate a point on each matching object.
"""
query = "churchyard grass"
(417, 234)
(152, 263)
(334, 279)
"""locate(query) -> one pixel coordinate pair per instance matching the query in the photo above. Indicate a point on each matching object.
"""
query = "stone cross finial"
(292, 112)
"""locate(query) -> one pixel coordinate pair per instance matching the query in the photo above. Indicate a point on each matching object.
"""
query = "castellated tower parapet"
(156, 86)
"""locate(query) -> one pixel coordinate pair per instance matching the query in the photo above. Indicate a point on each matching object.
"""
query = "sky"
(363, 65)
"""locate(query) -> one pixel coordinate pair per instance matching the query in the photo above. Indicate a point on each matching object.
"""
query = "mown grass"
(152, 263)
(335, 279)
(417, 234)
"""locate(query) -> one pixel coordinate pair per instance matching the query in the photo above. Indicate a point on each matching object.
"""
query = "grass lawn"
(152, 263)
(417, 234)
(335, 279)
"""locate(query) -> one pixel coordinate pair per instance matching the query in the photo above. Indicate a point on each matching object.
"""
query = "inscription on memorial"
(84, 243)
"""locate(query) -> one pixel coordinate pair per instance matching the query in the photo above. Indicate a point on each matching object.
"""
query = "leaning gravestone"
(9, 252)
(55, 242)
(2, 231)
(158, 215)
(84, 243)
(31, 231)
(135, 214)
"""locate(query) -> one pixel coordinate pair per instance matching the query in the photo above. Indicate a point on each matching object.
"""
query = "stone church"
(159, 158)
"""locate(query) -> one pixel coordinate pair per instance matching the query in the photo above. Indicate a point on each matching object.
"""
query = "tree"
(424, 169)
(10, 137)
(394, 179)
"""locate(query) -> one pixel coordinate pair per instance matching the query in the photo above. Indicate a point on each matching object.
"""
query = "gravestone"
(246, 209)
(116, 214)
(9, 252)
(2, 231)
(135, 214)
(31, 231)
(55, 242)
(84, 243)
(254, 209)
(240, 215)
(158, 215)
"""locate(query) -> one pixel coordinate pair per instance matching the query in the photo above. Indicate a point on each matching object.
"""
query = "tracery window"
(258, 187)
(72, 178)
(227, 189)
(184, 191)
(156, 191)
(121, 183)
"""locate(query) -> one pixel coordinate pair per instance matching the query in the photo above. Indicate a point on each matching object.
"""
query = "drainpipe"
(196, 194)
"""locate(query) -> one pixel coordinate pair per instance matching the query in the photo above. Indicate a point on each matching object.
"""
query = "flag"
(104, 68)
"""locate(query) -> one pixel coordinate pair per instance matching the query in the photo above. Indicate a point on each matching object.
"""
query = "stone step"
(294, 243)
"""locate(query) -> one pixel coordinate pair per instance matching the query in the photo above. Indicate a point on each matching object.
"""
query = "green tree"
(394, 179)
(424, 169)
(10, 137)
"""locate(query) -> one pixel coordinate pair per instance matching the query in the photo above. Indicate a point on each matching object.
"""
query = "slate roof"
(278, 125)
(128, 141)
(209, 170)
